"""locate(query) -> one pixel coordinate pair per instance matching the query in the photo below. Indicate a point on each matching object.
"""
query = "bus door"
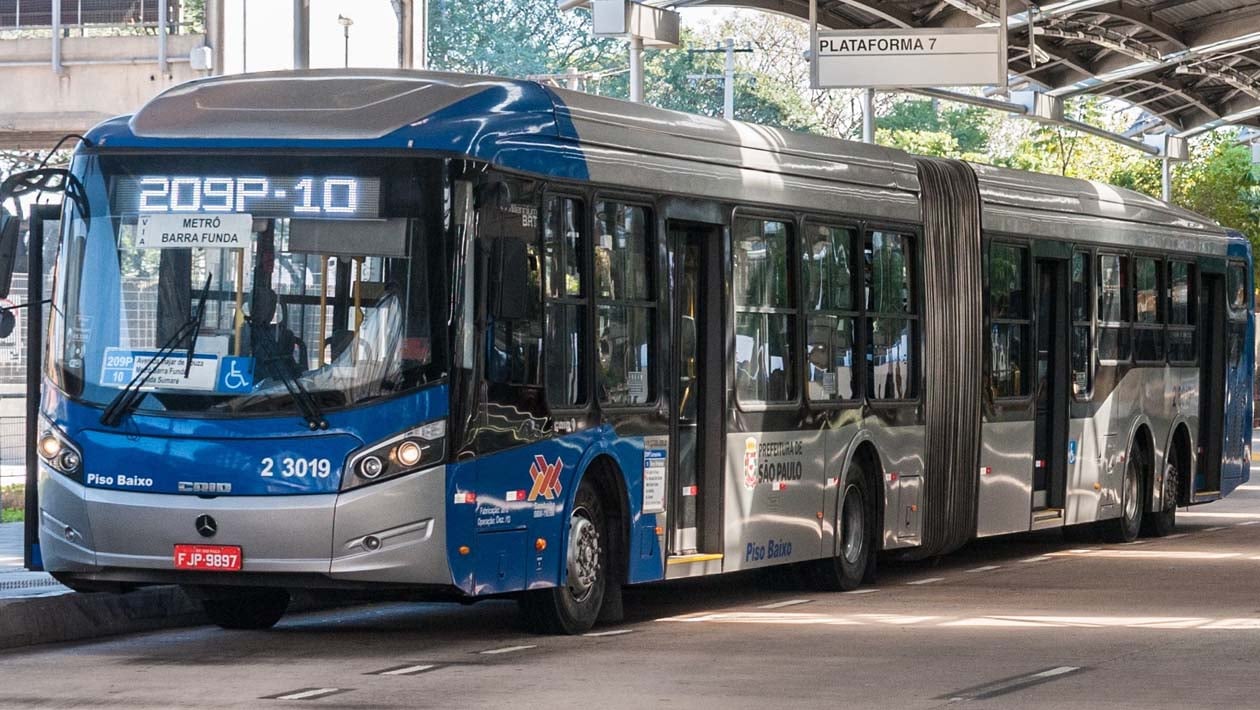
(1207, 477)
(1051, 437)
(697, 392)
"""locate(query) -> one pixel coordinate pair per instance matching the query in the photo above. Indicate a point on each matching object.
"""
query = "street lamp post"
(345, 23)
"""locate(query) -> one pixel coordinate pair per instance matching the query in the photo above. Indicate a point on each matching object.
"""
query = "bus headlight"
(412, 450)
(56, 450)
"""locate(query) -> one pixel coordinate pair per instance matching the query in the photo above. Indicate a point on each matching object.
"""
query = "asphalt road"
(1029, 621)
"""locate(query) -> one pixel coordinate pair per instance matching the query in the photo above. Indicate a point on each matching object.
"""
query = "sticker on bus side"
(655, 465)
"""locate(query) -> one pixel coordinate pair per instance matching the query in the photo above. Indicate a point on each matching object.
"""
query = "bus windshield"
(283, 275)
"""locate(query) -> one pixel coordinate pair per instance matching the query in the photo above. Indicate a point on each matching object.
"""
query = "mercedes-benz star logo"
(206, 526)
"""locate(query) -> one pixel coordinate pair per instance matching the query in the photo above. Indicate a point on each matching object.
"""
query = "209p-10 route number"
(295, 468)
(208, 558)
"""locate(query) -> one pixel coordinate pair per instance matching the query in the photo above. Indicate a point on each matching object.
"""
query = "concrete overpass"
(53, 83)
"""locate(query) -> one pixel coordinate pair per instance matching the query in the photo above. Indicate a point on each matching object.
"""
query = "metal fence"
(38, 14)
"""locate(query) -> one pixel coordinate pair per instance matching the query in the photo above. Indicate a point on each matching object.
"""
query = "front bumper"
(93, 533)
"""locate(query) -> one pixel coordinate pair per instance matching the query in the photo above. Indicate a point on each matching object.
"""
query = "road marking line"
(506, 649)
(1039, 558)
(1218, 528)
(1246, 523)
(790, 602)
(1254, 457)
(929, 580)
(986, 568)
(1239, 516)
(1177, 536)
(307, 694)
(1011, 685)
(407, 670)
(861, 591)
(614, 632)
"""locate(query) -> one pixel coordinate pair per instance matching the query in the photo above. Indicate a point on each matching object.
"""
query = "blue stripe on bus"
(153, 454)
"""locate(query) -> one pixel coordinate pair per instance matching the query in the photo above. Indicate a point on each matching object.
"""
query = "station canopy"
(1191, 65)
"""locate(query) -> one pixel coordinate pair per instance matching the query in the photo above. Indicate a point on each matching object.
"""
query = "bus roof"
(526, 126)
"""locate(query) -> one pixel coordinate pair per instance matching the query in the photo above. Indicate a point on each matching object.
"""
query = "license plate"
(211, 558)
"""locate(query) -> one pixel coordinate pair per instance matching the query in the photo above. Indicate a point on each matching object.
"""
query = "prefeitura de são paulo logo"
(546, 479)
(750, 462)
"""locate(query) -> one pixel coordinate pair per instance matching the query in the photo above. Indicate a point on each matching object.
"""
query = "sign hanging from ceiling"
(909, 59)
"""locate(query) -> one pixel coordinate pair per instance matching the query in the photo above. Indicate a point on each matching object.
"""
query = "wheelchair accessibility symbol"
(236, 374)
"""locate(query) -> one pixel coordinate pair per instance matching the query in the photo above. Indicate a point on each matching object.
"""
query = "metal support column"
(163, 22)
(1167, 174)
(56, 37)
(301, 34)
(636, 69)
(728, 99)
(868, 116)
(215, 31)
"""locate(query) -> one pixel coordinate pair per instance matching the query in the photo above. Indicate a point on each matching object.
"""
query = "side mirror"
(10, 234)
(8, 322)
(509, 273)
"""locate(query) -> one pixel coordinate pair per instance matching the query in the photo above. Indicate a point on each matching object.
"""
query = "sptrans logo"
(546, 479)
(750, 462)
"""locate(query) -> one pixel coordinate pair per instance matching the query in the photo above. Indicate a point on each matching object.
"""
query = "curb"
(74, 617)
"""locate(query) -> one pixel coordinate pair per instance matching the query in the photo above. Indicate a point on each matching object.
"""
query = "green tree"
(968, 126)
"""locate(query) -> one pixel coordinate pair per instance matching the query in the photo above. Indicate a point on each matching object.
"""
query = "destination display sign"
(230, 230)
(300, 197)
(909, 58)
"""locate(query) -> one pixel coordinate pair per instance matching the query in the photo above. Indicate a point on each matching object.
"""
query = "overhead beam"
(885, 11)
(1142, 18)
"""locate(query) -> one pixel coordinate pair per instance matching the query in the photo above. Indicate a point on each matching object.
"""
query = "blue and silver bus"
(421, 335)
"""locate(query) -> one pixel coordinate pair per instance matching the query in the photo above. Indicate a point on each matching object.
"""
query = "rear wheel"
(573, 607)
(1126, 527)
(846, 570)
(1163, 522)
(252, 609)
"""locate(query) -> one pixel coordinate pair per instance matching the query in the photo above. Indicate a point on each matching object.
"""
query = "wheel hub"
(853, 525)
(1130, 493)
(583, 556)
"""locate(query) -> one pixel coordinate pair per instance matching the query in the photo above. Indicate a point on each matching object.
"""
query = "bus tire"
(847, 570)
(252, 610)
(1164, 522)
(573, 607)
(1126, 527)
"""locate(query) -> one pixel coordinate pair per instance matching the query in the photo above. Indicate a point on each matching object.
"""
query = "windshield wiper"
(196, 320)
(304, 400)
(130, 396)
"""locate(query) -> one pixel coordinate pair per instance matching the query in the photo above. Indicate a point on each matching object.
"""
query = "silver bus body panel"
(86, 529)
(775, 483)
(1006, 478)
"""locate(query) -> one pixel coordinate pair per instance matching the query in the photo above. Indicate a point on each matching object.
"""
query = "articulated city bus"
(428, 335)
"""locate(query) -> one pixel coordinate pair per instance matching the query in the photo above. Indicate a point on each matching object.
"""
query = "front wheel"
(1126, 527)
(253, 609)
(846, 571)
(573, 607)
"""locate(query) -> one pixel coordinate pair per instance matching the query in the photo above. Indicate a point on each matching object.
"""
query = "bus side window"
(1010, 315)
(1114, 307)
(892, 357)
(764, 315)
(831, 330)
(513, 347)
(564, 248)
(625, 305)
(1148, 323)
(1182, 310)
(1082, 323)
